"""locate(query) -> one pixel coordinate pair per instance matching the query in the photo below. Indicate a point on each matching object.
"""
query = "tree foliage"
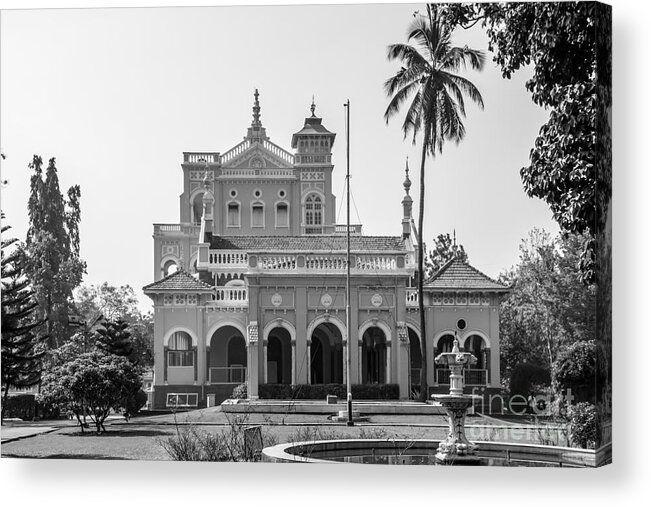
(119, 304)
(549, 306)
(22, 346)
(444, 249)
(434, 94)
(579, 368)
(568, 46)
(51, 252)
(94, 384)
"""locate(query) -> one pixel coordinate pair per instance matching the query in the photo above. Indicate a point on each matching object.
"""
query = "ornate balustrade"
(277, 262)
(201, 157)
(234, 152)
(176, 229)
(228, 259)
(279, 152)
(411, 297)
(231, 297)
(354, 229)
(375, 263)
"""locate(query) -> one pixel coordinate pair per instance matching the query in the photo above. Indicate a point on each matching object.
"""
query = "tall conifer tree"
(51, 253)
(22, 347)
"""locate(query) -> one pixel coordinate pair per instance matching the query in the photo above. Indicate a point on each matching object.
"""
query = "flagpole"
(348, 326)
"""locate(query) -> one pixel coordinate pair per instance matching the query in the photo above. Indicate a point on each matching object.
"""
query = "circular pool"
(422, 452)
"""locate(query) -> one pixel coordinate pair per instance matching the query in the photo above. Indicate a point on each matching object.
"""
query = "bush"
(584, 425)
(21, 406)
(240, 392)
(528, 379)
(135, 403)
(320, 391)
(192, 444)
(579, 368)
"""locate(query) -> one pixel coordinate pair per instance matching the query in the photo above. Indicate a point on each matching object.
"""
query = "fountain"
(456, 449)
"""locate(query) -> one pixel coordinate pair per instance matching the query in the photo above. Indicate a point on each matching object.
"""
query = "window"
(282, 215)
(257, 215)
(182, 399)
(233, 219)
(180, 351)
(313, 214)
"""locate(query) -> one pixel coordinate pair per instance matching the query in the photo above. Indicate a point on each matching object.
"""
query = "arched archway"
(169, 266)
(477, 345)
(374, 356)
(279, 357)
(444, 343)
(227, 356)
(326, 355)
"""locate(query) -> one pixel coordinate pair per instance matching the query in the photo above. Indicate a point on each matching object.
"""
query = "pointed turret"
(313, 143)
(208, 205)
(406, 204)
(256, 131)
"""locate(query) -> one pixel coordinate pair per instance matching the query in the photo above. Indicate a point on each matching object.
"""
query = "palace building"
(250, 285)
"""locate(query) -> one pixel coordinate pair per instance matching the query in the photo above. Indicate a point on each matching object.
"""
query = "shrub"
(579, 368)
(21, 406)
(240, 392)
(135, 403)
(584, 425)
(320, 391)
(528, 378)
(193, 444)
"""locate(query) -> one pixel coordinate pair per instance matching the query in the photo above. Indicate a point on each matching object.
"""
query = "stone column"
(403, 360)
(252, 352)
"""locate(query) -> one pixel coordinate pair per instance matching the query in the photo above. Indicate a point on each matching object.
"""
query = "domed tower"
(313, 159)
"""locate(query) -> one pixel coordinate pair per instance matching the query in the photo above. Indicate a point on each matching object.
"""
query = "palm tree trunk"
(421, 302)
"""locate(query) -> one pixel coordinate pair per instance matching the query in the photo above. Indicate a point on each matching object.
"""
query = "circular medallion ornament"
(376, 300)
(276, 299)
(326, 300)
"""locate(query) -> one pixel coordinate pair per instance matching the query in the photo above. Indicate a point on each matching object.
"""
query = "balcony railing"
(227, 374)
(279, 152)
(228, 259)
(355, 229)
(234, 152)
(231, 297)
(471, 376)
(411, 297)
(201, 157)
(298, 263)
(177, 229)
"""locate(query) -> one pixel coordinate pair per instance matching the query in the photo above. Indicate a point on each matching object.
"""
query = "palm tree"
(436, 93)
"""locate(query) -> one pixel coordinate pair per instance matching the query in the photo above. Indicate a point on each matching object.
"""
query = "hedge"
(320, 391)
(21, 406)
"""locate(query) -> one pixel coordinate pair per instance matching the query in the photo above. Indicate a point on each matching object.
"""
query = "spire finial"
(407, 182)
(313, 107)
(256, 109)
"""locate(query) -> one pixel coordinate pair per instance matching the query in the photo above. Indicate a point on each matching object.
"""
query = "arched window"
(313, 214)
(170, 267)
(282, 215)
(257, 214)
(233, 215)
(197, 208)
(180, 352)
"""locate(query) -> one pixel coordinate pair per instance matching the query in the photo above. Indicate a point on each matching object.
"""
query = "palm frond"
(467, 88)
(458, 58)
(399, 98)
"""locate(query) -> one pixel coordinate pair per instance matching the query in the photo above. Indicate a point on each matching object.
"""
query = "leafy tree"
(436, 96)
(120, 304)
(51, 253)
(93, 384)
(578, 368)
(568, 45)
(549, 307)
(22, 347)
(445, 248)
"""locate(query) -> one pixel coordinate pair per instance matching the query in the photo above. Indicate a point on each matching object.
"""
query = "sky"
(116, 95)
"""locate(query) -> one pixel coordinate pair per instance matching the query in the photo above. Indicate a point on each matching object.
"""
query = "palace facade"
(250, 285)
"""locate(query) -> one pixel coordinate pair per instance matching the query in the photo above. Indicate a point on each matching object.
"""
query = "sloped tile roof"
(313, 243)
(181, 280)
(459, 275)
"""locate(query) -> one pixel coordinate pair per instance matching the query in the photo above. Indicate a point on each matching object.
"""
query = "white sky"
(116, 95)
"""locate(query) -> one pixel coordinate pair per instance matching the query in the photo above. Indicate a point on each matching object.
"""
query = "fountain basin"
(423, 452)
